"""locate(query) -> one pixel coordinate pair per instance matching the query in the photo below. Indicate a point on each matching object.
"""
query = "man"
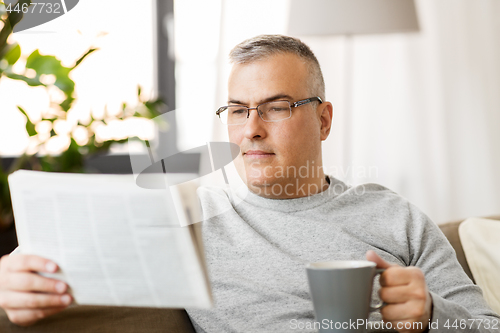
(291, 214)
(258, 250)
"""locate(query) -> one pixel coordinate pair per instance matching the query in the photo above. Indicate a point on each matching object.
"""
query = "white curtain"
(425, 107)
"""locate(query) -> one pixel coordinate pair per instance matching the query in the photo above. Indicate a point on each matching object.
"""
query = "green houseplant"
(48, 72)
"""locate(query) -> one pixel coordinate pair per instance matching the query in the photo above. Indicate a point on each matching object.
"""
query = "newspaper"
(115, 242)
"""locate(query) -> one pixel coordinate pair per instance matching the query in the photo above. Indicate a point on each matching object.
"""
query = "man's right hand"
(26, 296)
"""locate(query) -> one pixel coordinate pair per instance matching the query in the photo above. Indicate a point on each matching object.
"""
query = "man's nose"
(254, 126)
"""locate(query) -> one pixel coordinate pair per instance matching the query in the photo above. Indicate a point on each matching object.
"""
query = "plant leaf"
(50, 65)
(13, 54)
(2, 8)
(30, 127)
(155, 107)
(83, 57)
(64, 82)
(66, 104)
(30, 81)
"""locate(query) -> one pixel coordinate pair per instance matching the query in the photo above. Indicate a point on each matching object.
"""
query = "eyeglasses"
(270, 112)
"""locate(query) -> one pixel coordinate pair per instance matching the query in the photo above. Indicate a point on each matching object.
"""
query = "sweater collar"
(335, 188)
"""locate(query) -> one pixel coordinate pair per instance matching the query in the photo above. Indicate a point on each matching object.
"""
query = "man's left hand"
(405, 292)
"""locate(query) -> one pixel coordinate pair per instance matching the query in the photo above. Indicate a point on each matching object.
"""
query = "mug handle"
(381, 304)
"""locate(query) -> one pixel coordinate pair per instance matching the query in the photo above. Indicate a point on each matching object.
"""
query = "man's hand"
(405, 292)
(26, 296)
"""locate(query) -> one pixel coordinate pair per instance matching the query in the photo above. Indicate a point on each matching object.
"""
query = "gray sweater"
(257, 249)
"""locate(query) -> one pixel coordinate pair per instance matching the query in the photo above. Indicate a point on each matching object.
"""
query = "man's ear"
(325, 111)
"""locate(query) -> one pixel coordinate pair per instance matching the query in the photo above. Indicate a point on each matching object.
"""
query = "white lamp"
(351, 17)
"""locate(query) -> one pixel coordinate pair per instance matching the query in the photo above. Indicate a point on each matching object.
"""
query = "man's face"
(271, 150)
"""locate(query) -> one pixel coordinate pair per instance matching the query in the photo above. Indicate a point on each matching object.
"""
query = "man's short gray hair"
(263, 46)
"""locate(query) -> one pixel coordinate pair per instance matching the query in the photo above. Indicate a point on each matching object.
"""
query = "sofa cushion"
(106, 319)
(481, 243)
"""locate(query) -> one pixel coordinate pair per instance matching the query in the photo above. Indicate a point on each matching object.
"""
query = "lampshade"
(351, 17)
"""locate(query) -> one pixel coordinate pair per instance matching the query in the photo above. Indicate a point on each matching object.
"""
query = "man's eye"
(277, 109)
(238, 111)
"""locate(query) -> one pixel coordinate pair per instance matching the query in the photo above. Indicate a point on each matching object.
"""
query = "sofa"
(99, 319)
